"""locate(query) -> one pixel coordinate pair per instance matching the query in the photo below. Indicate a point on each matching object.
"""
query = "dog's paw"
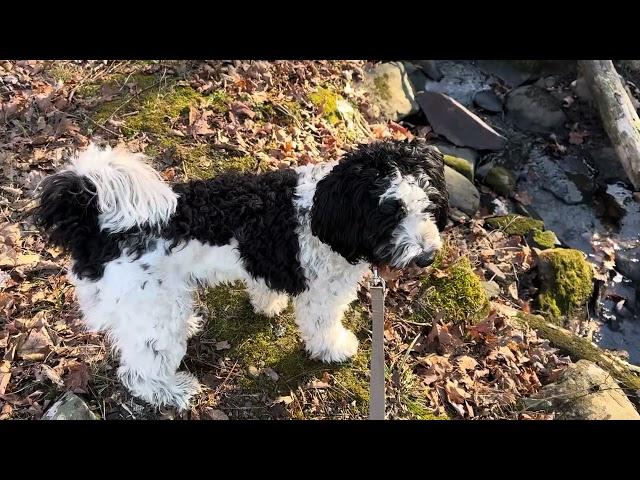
(194, 325)
(340, 346)
(174, 391)
(270, 305)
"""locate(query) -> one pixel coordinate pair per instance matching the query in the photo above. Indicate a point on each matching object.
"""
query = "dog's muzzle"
(424, 259)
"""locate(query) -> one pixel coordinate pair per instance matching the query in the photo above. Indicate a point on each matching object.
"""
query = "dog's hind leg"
(147, 317)
(264, 300)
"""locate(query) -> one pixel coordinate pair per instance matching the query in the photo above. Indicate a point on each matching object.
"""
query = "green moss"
(501, 181)
(579, 348)
(514, 224)
(381, 84)
(274, 343)
(155, 105)
(63, 71)
(546, 239)
(460, 165)
(453, 289)
(567, 282)
(327, 101)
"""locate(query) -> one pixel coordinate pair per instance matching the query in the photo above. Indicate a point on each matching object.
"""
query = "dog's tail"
(104, 189)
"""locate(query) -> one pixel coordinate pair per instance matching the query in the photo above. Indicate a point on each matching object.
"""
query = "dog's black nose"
(425, 259)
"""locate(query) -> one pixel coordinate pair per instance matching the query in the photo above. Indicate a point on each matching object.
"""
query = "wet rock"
(461, 81)
(628, 263)
(69, 407)
(505, 71)
(463, 195)
(534, 109)
(390, 90)
(461, 127)
(492, 289)
(488, 100)
(581, 90)
(501, 181)
(430, 67)
(546, 82)
(551, 177)
(608, 166)
(417, 77)
(584, 392)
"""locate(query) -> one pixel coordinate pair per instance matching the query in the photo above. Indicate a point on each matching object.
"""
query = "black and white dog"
(139, 246)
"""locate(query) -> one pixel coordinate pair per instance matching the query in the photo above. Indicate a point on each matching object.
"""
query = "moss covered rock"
(453, 289)
(501, 181)
(514, 224)
(566, 282)
(544, 240)
(460, 165)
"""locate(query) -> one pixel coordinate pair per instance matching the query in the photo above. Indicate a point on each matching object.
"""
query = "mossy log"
(619, 117)
(579, 348)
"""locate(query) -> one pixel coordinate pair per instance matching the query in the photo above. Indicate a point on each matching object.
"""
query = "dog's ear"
(347, 213)
(67, 209)
(434, 167)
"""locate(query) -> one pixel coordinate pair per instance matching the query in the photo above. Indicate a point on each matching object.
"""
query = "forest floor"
(196, 120)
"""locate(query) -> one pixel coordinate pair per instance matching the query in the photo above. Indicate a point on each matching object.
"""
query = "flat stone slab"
(460, 126)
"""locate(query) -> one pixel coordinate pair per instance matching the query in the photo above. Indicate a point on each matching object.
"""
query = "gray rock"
(430, 67)
(460, 152)
(69, 407)
(533, 108)
(584, 392)
(546, 82)
(628, 263)
(417, 77)
(461, 81)
(491, 288)
(488, 100)
(581, 90)
(463, 195)
(501, 181)
(505, 71)
(390, 90)
(608, 165)
(461, 127)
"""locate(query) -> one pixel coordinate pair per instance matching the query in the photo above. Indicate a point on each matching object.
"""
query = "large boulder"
(390, 92)
(457, 124)
(584, 392)
(534, 109)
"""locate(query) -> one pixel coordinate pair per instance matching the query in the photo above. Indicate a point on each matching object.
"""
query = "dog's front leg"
(319, 312)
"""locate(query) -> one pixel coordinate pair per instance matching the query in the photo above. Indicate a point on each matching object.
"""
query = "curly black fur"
(256, 210)
(347, 213)
(68, 212)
